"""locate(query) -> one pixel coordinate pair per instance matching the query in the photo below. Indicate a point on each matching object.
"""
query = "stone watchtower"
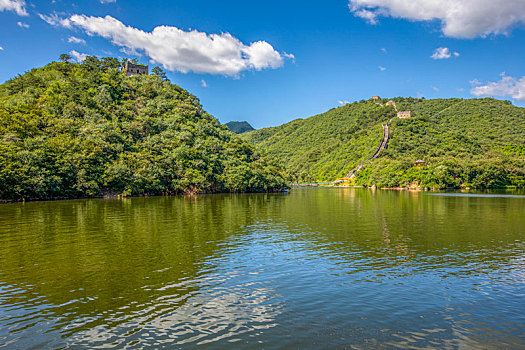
(404, 114)
(135, 69)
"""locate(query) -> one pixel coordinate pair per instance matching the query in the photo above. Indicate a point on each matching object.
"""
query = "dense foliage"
(78, 130)
(239, 127)
(476, 143)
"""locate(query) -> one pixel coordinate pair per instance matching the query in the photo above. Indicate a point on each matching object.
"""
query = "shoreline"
(116, 196)
(414, 189)
(191, 194)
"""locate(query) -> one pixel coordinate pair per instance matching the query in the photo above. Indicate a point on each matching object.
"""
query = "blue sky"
(271, 62)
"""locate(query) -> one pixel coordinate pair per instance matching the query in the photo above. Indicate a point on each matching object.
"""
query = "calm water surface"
(317, 268)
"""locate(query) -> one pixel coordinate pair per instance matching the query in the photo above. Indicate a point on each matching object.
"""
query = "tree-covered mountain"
(80, 130)
(465, 143)
(239, 127)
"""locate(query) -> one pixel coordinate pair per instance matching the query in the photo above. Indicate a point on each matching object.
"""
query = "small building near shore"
(375, 98)
(404, 114)
(419, 163)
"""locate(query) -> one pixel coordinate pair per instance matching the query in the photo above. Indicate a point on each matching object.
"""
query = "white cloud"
(383, 50)
(442, 53)
(506, 87)
(435, 88)
(107, 1)
(370, 16)
(75, 40)
(459, 18)
(178, 50)
(55, 20)
(260, 55)
(79, 57)
(382, 69)
(22, 25)
(289, 56)
(1, 48)
(343, 102)
(204, 83)
(18, 6)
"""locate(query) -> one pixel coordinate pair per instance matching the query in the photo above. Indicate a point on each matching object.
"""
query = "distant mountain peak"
(239, 127)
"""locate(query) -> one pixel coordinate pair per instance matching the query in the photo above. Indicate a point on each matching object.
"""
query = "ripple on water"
(314, 269)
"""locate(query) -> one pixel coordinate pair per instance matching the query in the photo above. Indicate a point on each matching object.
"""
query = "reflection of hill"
(394, 227)
(110, 248)
(89, 257)
(190, 270)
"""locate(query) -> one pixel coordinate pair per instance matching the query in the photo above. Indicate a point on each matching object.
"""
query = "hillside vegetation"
(328, 145)
(465, 143)
(239, 127)
(80, 130)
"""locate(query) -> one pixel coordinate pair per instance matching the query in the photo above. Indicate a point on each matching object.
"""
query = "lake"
(316, 268)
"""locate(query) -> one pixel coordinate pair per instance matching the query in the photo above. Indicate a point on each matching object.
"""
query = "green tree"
(65, 57)
(160, 73)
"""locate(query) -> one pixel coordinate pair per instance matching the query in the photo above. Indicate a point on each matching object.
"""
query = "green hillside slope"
(478, 143)
(326, 146)
(77, 130)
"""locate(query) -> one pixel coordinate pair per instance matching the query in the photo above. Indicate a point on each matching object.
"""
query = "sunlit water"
(317, 268)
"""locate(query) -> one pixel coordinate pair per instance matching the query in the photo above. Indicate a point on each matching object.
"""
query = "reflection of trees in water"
(99, 244)
(395, 227)
(97, 267)
(92, 257)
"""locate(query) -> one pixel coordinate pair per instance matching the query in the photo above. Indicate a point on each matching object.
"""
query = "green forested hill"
(477, 143)
(77, 130)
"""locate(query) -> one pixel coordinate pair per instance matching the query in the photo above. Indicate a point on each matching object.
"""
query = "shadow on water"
(315, 268)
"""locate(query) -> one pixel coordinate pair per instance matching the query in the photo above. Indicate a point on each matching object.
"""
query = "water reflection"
(479, 195)
(315, 268)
